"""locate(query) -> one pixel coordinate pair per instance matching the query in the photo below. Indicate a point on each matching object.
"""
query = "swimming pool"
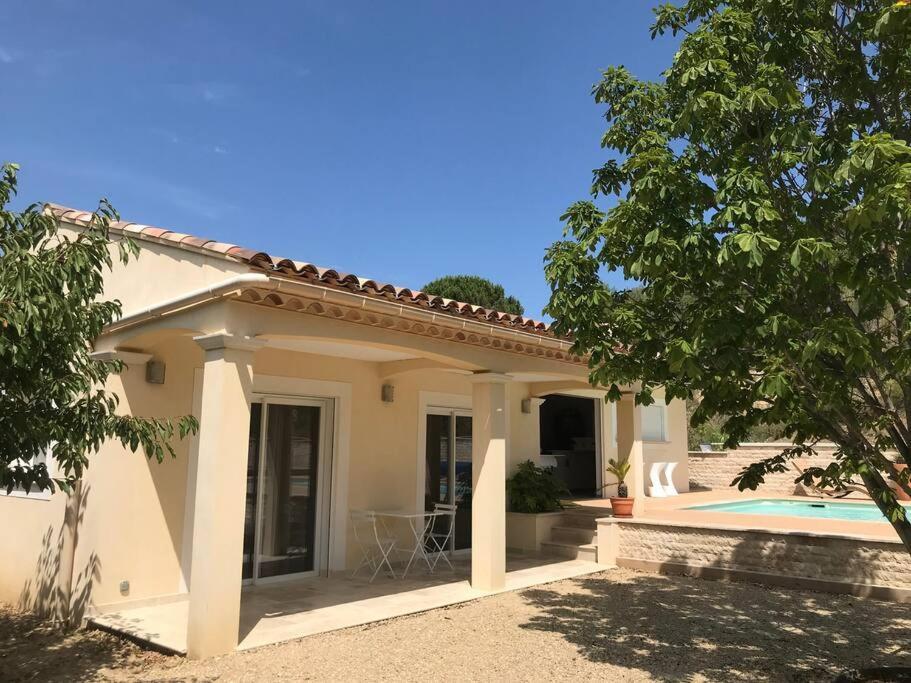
(819, 509)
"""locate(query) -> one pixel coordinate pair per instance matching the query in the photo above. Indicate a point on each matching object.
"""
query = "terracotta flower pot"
(622, 507)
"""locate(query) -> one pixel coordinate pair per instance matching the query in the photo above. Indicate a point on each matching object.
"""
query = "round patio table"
(419, 523)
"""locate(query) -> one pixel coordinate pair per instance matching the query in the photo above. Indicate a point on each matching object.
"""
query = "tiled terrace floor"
(277, 612)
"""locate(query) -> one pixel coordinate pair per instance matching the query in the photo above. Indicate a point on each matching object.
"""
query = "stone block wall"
(836, 563)
(820, 558)
(717, 470)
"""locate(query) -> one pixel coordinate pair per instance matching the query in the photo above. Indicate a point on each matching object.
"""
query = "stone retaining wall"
(716, 470)
(859, 566)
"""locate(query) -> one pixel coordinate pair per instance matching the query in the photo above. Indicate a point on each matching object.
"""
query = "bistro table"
(419, 523)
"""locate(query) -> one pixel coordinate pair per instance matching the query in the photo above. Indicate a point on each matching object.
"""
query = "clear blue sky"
(396, 140)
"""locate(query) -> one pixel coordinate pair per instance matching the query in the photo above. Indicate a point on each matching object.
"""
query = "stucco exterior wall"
(161, 272)
(674, 449)
(31, 534)
(131, 515)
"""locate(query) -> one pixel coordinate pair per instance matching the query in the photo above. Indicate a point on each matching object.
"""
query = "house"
(317, 393)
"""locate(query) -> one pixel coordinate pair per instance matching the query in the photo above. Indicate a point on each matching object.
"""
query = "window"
(654, 422)
(44, 457)
(613, 422)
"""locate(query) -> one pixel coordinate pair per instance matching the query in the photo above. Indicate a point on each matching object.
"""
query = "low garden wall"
(717, 469)
(869, 567)
(526, 532)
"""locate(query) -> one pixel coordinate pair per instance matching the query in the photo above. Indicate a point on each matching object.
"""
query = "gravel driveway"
(616, 626)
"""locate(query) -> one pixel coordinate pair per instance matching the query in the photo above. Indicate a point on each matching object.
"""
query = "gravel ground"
(616, 626)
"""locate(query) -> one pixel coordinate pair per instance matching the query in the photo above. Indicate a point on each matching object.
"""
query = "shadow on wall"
(49, 593)
(683, 628)
(791, 559)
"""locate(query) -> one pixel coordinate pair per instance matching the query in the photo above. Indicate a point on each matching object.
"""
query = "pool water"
(819, 509)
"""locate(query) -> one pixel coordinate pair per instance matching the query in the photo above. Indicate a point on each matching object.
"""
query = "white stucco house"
(317, 393)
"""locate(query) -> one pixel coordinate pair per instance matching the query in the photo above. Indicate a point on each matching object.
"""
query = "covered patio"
(278, 612)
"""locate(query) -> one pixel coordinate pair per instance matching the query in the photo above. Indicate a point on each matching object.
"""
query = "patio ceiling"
(340, 350)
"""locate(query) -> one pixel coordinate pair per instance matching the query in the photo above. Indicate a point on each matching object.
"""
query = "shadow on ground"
(682, 628)
(35, 649)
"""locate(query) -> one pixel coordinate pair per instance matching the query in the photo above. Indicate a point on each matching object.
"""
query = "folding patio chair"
(439, 539)
(375, 548)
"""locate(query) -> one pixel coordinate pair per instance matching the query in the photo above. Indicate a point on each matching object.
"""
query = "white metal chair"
(669, 488)
(375, 548)
(439, 540)
(656, 490)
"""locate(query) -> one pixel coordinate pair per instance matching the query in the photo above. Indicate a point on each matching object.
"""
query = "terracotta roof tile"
(198, 242)
(307, 271)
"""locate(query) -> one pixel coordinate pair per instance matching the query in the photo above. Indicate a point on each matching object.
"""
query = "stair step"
(593, 510)
(581, 521)
(572, 551)
(572, 534)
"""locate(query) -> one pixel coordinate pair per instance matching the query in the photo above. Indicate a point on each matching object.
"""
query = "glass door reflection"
(285, 484)
(448, 468)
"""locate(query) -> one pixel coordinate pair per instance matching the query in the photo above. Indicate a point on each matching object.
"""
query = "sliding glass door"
(448, 467)
(285, 529)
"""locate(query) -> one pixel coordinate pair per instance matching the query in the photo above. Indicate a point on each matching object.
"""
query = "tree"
(763, 202)
(52, 394)
(472, 289)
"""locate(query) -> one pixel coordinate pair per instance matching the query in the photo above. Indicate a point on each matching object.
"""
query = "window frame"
(660, 404)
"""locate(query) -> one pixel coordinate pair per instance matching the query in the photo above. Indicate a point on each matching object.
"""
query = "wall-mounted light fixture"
(388, 393)
(526, 406)
(155, 372)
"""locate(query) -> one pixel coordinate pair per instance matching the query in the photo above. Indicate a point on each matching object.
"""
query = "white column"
(488, 501)
(629, 445)
(220, 470)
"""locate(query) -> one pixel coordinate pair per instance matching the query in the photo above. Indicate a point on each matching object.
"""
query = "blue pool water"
(820, 509)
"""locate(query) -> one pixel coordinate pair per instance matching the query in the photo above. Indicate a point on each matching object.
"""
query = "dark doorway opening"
(568, 434)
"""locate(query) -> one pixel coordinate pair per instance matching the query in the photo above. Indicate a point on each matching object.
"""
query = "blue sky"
(397, 140)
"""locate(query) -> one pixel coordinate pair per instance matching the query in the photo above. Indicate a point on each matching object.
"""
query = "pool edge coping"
(720, 526)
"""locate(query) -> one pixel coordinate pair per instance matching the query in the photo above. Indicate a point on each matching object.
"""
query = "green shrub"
(534, 489)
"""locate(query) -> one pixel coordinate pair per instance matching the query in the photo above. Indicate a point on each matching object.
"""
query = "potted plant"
(534, 494)
(621, 504)
(533, 489)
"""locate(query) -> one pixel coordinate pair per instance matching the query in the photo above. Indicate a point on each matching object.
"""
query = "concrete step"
(572, 551)
(581, 520)
(573, 534)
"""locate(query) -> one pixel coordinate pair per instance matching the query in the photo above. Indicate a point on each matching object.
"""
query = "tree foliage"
(476, 290)
(52, 395)
(763, 201)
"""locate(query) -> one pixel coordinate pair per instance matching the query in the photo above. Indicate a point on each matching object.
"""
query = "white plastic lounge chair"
(669, 488)
(656, 490)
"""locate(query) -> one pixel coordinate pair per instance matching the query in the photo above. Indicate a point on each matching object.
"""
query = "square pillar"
(488, 501)
(629, 446)
(220, 473)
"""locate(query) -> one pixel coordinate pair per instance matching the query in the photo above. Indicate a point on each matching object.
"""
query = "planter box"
(525, 532)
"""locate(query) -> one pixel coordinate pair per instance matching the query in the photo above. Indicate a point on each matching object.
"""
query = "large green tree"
(472, 289)
(762, 198)
(52, 395)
